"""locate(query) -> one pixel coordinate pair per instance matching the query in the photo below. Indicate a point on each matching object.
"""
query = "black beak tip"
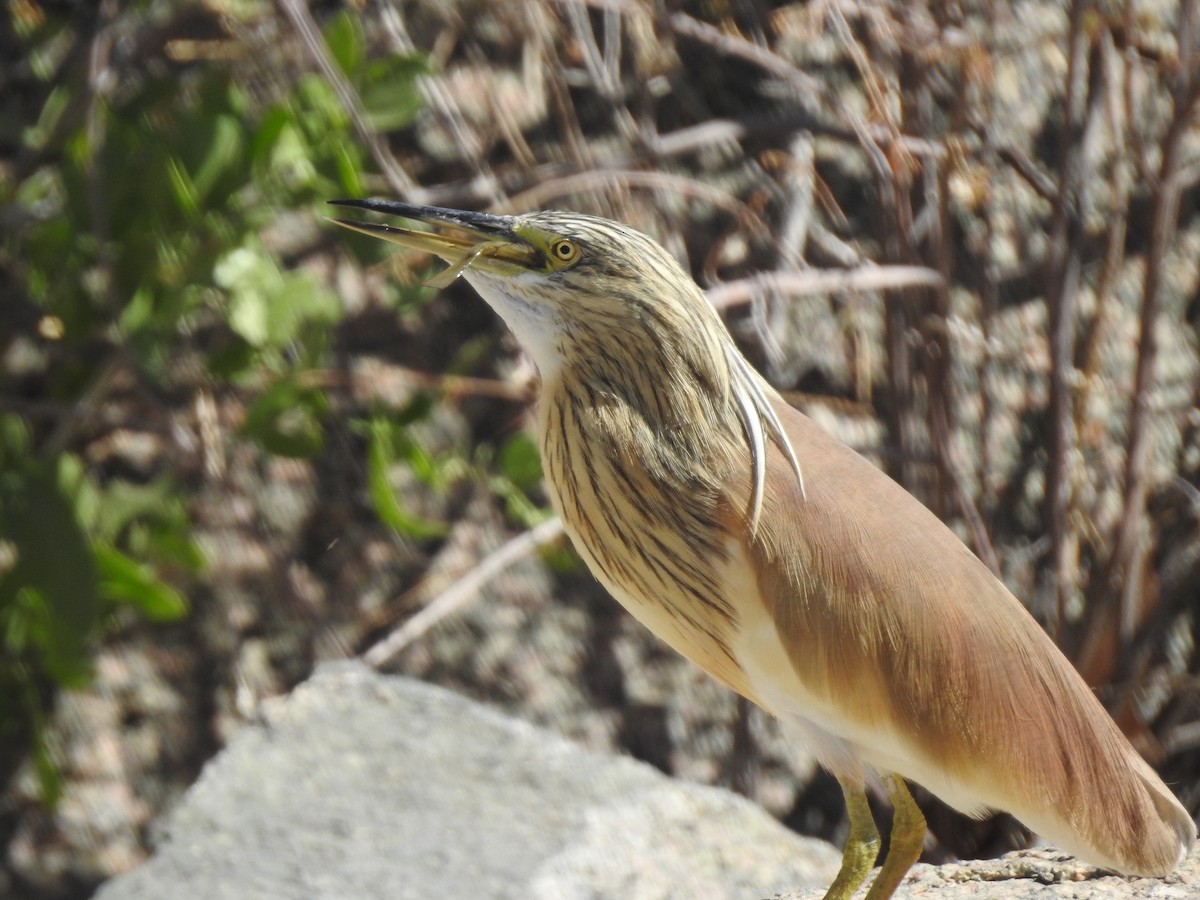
(485, 222)
(372, 204)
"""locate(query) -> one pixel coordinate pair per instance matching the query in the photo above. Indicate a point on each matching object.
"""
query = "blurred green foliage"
(389, 441)
(137, 218)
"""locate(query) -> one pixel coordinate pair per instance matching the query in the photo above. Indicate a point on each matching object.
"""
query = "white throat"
(538, 328)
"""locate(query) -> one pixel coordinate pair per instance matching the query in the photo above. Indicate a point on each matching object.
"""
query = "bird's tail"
(1137, 827)
(1168, 844)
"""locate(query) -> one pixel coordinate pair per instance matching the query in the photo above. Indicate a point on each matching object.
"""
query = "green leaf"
(299, 299)
(380, 458)
(54, 577)
(174, 546)
(561, 557)
(390, 95)
(56, 104)
(286, 420)
(124, 505)
(85, 497)
(222, 155)
(422, 463)
(232, 359)
(472, 353)
(50, 778)
(262, 145)
(186, 194)
(521, 462)
(251, 279)
(343, 36)
(349, 169)
(419, 408)
(14, 445)
(248, 317)
(323, 111)
(138, 312)
(268, 307)
(14, 628)
(123, 580)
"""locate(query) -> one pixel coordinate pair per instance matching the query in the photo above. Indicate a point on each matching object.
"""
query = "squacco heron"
(786, 565)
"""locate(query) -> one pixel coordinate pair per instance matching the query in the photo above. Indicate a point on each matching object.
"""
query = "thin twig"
(799, 185)
(942, 400)
(463, 591)
(870, 278)
(1117, 74)
(872, 140)
(1062, 287)
(451, 386)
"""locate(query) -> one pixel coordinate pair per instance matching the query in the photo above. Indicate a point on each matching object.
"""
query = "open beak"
(463, 239)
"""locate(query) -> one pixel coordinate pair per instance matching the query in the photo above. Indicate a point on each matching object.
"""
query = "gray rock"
(363, 786)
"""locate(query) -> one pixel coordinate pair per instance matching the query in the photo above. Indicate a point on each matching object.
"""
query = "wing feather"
(887, 617)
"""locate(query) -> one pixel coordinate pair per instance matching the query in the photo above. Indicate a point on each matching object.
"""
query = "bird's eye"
(564, 252)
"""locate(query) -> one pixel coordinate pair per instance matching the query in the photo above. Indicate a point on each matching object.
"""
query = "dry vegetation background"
(234, 442)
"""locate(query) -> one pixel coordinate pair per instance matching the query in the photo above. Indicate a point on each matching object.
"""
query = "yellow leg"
(908, 835)
(862, 844)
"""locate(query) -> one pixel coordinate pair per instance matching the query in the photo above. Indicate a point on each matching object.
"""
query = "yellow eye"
(564, 252)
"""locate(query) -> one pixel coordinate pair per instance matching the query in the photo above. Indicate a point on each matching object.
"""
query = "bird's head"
(571, 287)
